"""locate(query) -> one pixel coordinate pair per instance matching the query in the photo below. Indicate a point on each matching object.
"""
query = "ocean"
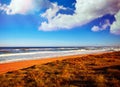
(11, 54)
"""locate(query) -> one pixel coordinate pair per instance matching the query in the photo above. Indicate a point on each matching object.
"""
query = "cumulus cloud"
(115, 27)
(95, 28)
(85, 12)
(51, 12)
(24, 7)
(101, 26)
(3, 7)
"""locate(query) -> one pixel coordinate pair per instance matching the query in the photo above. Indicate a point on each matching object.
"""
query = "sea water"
(10, 54)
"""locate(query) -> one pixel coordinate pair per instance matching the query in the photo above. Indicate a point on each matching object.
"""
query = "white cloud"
(101, 26)
(115, 27)
(51, 12)
(85, 12)
(3, 7)
(24, 7)
(95, 28)
(105, 25)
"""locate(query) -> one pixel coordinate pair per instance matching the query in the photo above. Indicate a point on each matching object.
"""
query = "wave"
(39, 55)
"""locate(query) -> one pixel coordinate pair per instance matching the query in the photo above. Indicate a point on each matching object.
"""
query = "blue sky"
(59, 23)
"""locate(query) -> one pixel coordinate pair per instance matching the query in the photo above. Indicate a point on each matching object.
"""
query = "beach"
(11, 66)
(59, 43)
(19, 58)
(95, 70)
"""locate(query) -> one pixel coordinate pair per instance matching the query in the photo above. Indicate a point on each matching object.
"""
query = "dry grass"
(87, 71)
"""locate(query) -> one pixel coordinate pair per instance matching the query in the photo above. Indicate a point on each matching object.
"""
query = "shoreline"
(7, 58)
(12, 66)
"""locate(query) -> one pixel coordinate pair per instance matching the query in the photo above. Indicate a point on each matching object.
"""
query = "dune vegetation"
(101, 70)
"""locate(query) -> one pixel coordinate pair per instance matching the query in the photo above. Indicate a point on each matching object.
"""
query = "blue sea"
(10, 54)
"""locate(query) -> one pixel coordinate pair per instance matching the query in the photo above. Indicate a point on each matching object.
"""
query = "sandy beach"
(95, 70)
(11, 66)
(6, 67)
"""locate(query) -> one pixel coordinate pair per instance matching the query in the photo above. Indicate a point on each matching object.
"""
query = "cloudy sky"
(59, 22)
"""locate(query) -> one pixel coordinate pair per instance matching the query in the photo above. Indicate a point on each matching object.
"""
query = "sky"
(59, 23)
